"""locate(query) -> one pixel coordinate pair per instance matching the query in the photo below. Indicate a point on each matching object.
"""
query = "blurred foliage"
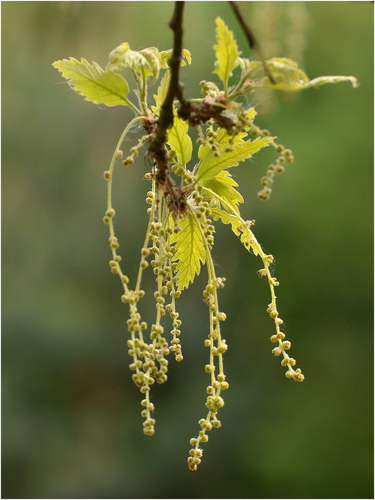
(71, 425)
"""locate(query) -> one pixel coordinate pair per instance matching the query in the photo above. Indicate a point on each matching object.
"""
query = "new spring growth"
(187, 195)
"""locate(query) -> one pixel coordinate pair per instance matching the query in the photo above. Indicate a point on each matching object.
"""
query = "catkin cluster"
(175, 200)
(184, 201)
(149, 346)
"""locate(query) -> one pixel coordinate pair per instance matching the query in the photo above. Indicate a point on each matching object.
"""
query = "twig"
(253, 42)
(157, 147)
(194, 114)
(175, 88)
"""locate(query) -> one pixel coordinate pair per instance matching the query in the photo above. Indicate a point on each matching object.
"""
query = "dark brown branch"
(157, 147)
(193, 113)
(196, 114)
(175, 88)
(253, 42)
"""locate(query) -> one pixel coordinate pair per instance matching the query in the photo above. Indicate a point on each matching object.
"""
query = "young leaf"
(164, 83)
(179, 139)
(223, 185)
(240, 228)
(287, 71)
(289, 77)
(161, 92)
(231, 215)
(322, 80)
(152, 67)
(146, 61)
(97, 85)
(226, 51)
(211, 165)
(165, 55)
(190, 250)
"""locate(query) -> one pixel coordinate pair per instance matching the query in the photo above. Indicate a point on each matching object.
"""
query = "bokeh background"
(70, 412)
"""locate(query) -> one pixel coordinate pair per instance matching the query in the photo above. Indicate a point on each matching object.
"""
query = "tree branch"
(175, 88)
(193, 113)
(157, 146)
(253, 42)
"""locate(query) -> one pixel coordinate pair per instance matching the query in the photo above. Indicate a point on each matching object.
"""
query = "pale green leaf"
(90, 80)
(289, 77)
(165, 55)
(322, 80)
(210, 165)
(161, 92)
(146, 61)
(240, 228)
(249, 65)
(223, 185)
(116, 56)
(250, 114)
(152, 68)
(190, 251)
(226, 51)
(179, 139)
(223, 139)
(287, 69)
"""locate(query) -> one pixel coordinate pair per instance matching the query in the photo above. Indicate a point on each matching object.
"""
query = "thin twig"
(253, 42)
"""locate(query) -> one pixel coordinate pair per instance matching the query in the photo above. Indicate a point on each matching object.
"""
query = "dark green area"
(71, 415)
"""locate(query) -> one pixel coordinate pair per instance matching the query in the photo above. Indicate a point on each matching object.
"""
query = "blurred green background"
(70, 412)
